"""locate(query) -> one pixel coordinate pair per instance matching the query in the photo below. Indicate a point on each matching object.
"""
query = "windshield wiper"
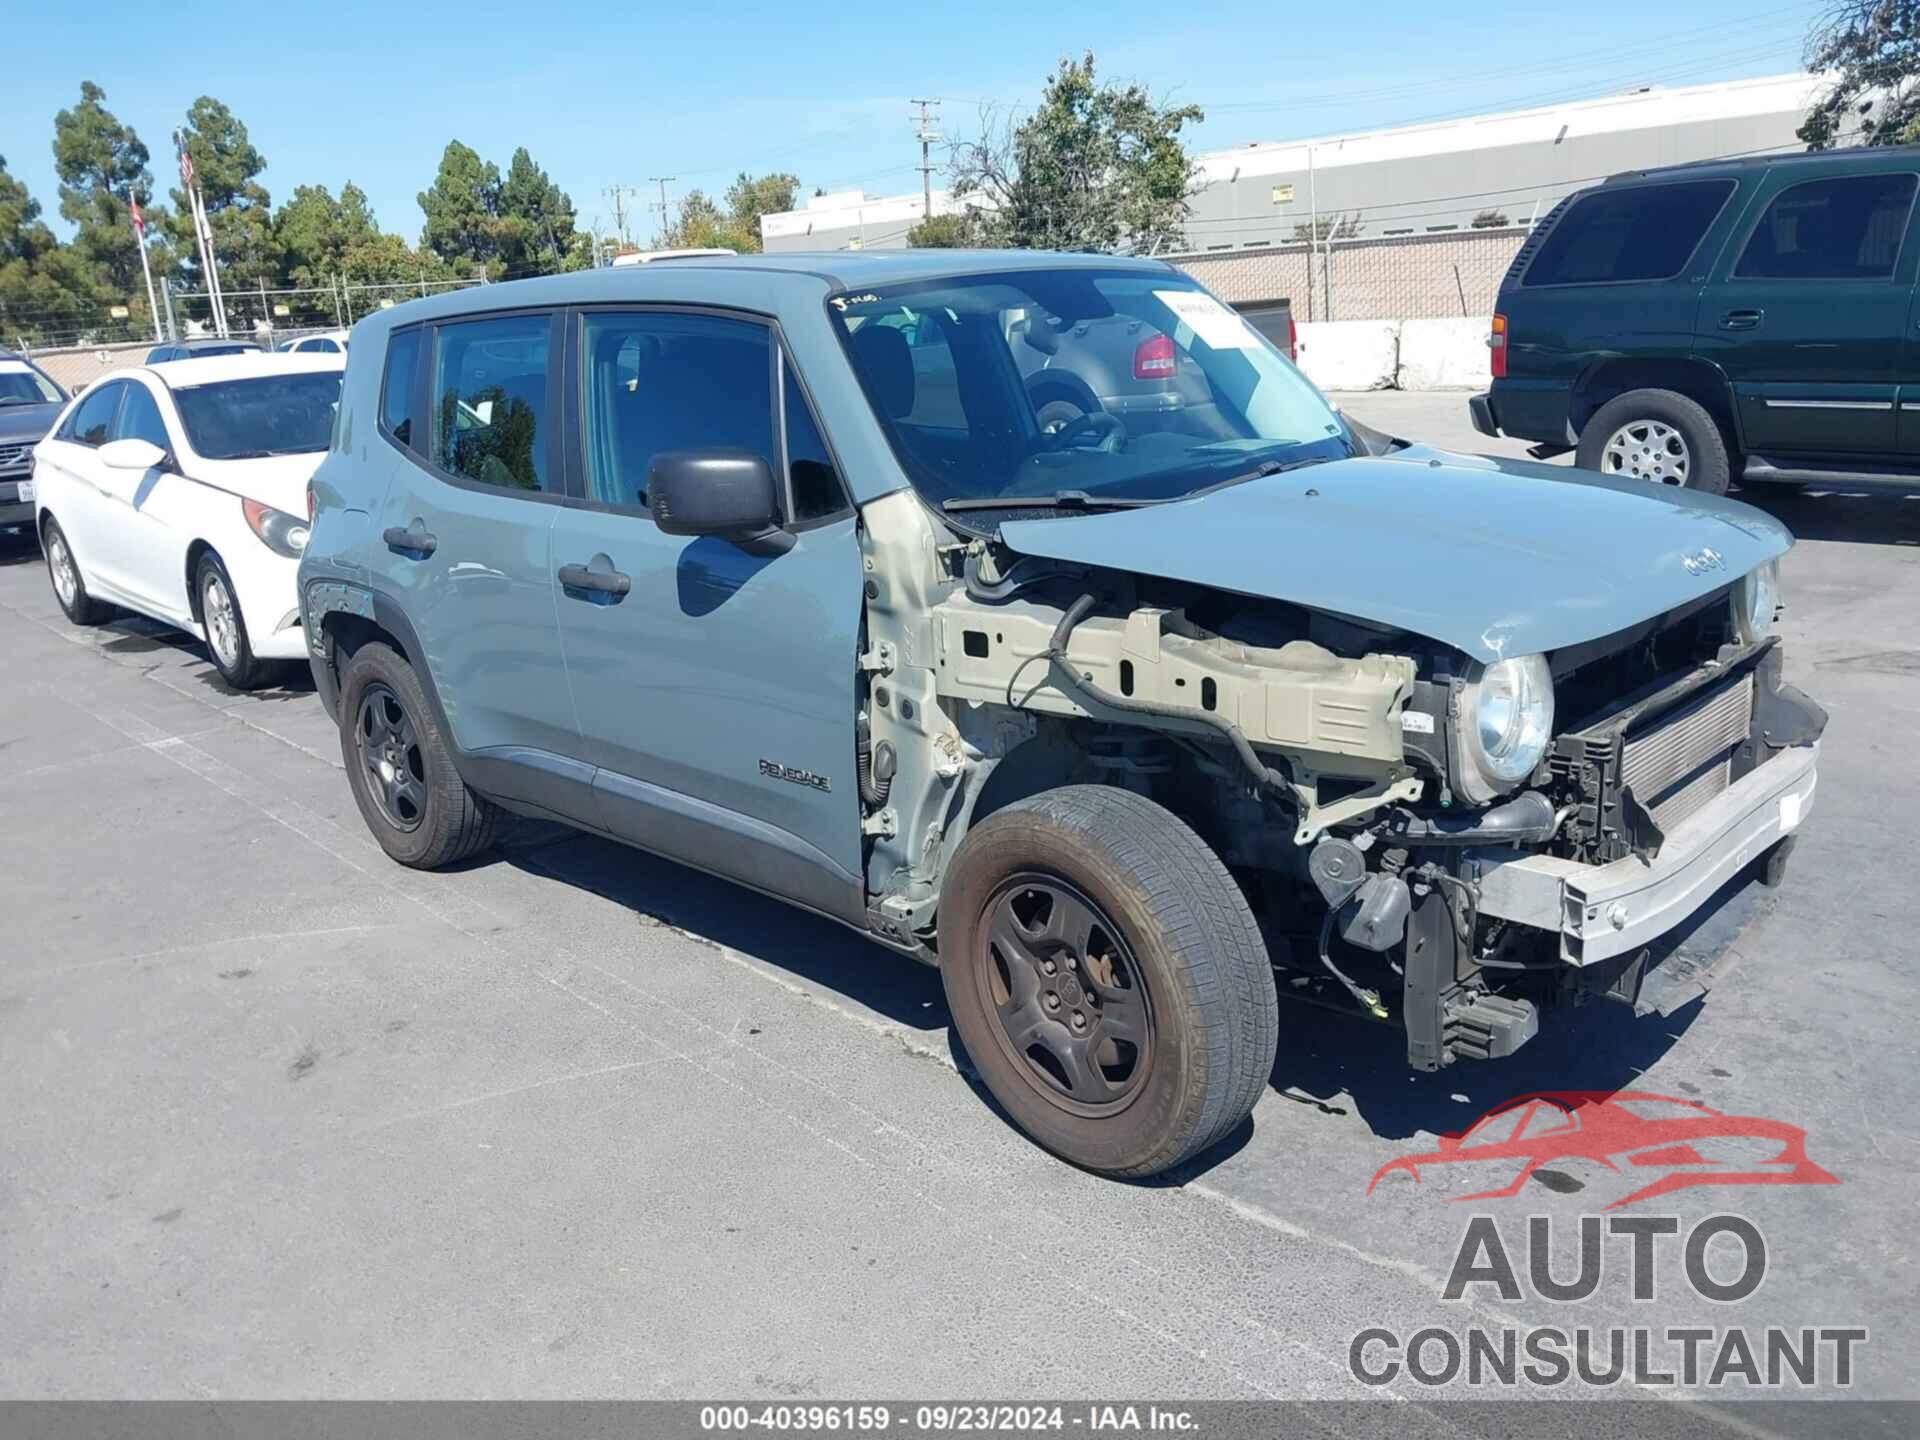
(1063, 500)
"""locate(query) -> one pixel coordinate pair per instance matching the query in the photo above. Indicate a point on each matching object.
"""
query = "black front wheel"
(228, 643)
(1107, 979)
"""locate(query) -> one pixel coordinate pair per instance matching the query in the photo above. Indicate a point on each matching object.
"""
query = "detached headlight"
(280, 532)
(1754, 600)
(1506, 721)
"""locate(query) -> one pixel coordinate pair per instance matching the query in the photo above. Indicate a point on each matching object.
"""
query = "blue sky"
(612, 94)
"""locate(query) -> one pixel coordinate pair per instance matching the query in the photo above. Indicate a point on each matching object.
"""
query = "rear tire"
(69, 587)
(1107, 979)
(1659, 436)
(400, 766)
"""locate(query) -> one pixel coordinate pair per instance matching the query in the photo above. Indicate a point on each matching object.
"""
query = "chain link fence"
(1394, 277)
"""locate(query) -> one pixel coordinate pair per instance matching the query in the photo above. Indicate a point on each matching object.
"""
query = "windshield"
(1100, 386)
(20, 385)
(267, 415)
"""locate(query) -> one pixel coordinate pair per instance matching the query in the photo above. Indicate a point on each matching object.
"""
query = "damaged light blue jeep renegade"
(769, 565)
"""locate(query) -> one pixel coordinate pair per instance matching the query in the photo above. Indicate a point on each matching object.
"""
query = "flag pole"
(146, 269)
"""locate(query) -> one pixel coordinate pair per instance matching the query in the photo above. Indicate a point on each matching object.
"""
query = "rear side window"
(93, 419)
(397, 387)
(669, 381)
(490, 421)
(1847, 228)
(1645, 233)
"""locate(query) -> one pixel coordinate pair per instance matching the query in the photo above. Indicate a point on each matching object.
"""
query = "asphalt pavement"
(283, 1119)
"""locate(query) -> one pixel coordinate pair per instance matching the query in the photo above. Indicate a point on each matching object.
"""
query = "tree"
(703, 224)
(102, 164)
(537, 222)
(1328, 227)
(942, 232)
(43, 287)
(748, 199)
(226, 167)
(463, 211)
(1094, 167)
(1874, 45)
(1490, 220)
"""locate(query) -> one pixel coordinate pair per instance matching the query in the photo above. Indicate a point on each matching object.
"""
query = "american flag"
(186, 168)
(139, 220)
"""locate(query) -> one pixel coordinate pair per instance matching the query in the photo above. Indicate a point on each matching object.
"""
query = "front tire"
(69, 588)
(1659, 436)
(1107, 979)
(400, 766)
(224, 628)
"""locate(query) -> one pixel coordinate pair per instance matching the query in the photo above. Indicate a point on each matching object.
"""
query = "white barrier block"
(1444, 354)
(1350, 354)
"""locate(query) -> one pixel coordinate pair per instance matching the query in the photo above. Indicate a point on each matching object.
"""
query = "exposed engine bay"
(1323, 758)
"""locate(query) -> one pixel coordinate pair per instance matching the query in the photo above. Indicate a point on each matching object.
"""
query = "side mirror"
(729, 494)
(131, 455)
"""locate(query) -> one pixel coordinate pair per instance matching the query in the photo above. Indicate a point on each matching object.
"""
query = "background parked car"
(327, 342)
(179, 491)
(200, 349)
(29, 403)
(1731, 320)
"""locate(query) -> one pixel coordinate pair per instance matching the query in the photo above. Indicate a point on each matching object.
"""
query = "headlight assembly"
(1754, 601)
(280, 532)
(1505, 724)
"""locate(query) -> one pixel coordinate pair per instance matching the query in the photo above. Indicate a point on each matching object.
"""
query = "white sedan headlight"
(1755, 600)
(1506, 722)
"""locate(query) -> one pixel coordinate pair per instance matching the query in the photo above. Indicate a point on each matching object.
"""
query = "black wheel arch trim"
(1699, 364)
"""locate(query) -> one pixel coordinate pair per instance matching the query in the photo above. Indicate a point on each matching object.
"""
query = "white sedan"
(178, 491)
(327, 342)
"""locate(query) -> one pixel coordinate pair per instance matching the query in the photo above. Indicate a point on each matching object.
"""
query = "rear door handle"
(608, 582)
(410, 540)
(1742, 319)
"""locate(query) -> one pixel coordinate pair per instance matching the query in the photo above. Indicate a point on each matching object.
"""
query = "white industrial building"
(1407, 180)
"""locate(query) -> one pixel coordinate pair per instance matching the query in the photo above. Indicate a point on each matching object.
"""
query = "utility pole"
(662, 181)
(617, 194)
(927, 133)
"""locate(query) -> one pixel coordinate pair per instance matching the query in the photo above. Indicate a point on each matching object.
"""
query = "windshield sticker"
(1213, 322)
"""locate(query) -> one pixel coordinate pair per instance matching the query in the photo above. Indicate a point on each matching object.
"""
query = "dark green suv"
(1734, 319)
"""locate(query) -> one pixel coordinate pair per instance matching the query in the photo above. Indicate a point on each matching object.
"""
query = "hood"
(276, 480)
(27, 422)
(1492, 557)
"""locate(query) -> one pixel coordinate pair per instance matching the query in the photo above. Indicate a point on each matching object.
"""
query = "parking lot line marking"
(434, 1111)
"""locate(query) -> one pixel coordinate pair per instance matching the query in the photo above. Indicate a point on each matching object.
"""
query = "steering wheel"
(1113, 434)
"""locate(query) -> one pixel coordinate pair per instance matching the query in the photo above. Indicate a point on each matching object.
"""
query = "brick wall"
(76, 369)
(1402, 277)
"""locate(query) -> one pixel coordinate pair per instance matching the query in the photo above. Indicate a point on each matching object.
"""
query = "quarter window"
(667, 381)
(1643, 233)
(92, 422)
(816, 485)
(140, 419)
(396, 389)
(490, 401)
(1847, 228)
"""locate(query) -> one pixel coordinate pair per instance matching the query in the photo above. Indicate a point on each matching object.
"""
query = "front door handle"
(1742, 319)
(592, 581)
(411, 540)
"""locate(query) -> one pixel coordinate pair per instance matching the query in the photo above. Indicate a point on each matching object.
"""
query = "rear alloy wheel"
(68, 586)
(226, 630)
(1107, 979)
(1657, 436)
